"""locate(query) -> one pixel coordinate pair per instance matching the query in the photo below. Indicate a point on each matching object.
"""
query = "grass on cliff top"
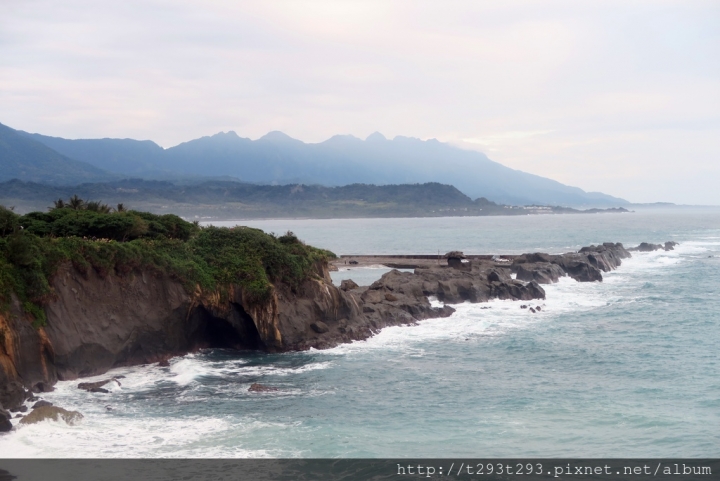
(33, 246)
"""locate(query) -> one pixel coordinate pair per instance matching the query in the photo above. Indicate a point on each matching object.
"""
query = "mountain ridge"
(277, 159)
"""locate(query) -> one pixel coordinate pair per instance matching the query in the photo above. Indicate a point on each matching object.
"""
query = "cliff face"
(99, 322)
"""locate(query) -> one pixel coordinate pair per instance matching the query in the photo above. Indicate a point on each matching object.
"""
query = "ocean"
(624, 368)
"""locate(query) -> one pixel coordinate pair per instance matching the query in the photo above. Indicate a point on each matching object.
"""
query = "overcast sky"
(621, 97)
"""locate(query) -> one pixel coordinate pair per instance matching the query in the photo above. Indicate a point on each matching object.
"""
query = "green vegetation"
(92, 236)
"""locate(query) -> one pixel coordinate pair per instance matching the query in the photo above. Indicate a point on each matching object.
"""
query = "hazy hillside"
(341, 160)
(24, 158)
(123, 156)
(234, 200)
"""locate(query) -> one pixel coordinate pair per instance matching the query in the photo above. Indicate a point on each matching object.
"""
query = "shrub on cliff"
(213, 259)
(120, 226)
(8, 221)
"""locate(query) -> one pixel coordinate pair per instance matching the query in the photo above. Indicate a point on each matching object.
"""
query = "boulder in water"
(53, 413)
(257, 387)
(41, 403)
(42, 387)
(5, 417)
(90, 386)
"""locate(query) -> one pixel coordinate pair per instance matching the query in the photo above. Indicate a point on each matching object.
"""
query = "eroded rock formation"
(96, 323)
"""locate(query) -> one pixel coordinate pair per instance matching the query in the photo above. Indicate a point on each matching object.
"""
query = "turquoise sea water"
(626, 368)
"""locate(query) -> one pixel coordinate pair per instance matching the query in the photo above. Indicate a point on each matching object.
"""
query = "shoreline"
(317, 314)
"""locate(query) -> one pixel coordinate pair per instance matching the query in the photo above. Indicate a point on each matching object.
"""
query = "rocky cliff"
(97, 322)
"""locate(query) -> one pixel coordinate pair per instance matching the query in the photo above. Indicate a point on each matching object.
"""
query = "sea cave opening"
(236, 331)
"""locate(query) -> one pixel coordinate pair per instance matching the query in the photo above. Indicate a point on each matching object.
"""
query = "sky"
(621, 97)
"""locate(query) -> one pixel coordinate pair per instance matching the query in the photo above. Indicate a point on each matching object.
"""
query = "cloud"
(589, 93)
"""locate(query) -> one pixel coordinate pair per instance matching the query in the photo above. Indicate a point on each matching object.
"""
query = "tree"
(99, 207)
(76, 203)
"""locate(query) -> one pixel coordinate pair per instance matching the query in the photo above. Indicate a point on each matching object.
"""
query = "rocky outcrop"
(348, 285)
(586, 265)
(95, 323)
(647, 247)
(52, 413)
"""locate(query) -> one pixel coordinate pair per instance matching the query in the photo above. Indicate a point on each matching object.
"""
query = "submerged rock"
(256, 387)
(53, 413)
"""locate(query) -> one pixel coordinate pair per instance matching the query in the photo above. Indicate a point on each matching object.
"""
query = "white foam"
(135, 437)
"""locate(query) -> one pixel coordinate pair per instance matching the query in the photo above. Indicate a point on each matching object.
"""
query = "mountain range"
(278, 159)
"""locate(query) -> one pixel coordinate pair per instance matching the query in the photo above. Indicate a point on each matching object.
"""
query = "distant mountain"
(279, 159)
(24, 158)
(122, 156)
(235, 200)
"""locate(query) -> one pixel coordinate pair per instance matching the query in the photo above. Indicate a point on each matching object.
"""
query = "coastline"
(319, 315)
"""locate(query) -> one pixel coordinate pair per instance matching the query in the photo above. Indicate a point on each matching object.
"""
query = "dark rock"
(319, 327)
(390, 298)
(53, 413)
(670, 245)
(99, 390)
(581, 271)
(164, 363)
(18, 416)
(499, 275)
(89, 386)
(647, 247)
(352, 262)
(524, 306)
(256, 387)
(42, 387)
(532, 310)
(40, 404)
(348, 285)
(540, 272)
(19, 409)
(537, 308)
(108, 408)
(5, 417)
